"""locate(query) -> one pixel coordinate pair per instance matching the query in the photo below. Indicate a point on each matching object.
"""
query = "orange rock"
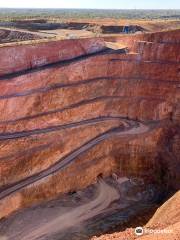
(106, 111)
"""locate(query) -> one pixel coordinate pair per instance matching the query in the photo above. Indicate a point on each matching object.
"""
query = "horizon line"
(19, 8)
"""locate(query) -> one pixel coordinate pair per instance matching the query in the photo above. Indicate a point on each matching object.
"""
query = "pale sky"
(102, 4)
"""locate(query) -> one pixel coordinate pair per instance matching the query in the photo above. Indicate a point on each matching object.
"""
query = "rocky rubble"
(165, 223)
(7, 36)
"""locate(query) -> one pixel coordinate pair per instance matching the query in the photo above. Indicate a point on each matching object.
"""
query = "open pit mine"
(89, 135)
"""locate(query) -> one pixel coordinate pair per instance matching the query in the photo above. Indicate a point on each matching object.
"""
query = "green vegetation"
(16, 14)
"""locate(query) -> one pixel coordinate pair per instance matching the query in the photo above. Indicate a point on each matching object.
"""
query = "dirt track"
(130, 128)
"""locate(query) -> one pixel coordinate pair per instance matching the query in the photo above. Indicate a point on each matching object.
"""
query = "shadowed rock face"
(166, 219)
(72, 110)
(121, 29)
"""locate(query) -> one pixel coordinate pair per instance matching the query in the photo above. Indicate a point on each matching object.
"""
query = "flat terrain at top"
(26, 24)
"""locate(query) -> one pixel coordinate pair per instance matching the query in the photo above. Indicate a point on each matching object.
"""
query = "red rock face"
(27, 56)
(75, 110)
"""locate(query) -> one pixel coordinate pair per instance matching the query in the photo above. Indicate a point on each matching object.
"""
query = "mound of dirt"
(15, 36)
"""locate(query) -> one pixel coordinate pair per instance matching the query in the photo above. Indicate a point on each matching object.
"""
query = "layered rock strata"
(73, 110)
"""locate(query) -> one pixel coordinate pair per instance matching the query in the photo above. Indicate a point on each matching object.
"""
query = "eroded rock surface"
(73, 110)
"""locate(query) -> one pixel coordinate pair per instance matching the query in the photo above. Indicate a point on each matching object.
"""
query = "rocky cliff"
(73, 110)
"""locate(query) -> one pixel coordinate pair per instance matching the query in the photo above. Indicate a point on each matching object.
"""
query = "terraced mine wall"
(15, 58)
(73, 110)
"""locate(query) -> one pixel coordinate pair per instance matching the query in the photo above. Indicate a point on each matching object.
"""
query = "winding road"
(105, 195)
(104, 203)
(27, 133)
(131, 127)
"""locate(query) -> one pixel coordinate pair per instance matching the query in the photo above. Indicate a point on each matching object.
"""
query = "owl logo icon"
(139, 231)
